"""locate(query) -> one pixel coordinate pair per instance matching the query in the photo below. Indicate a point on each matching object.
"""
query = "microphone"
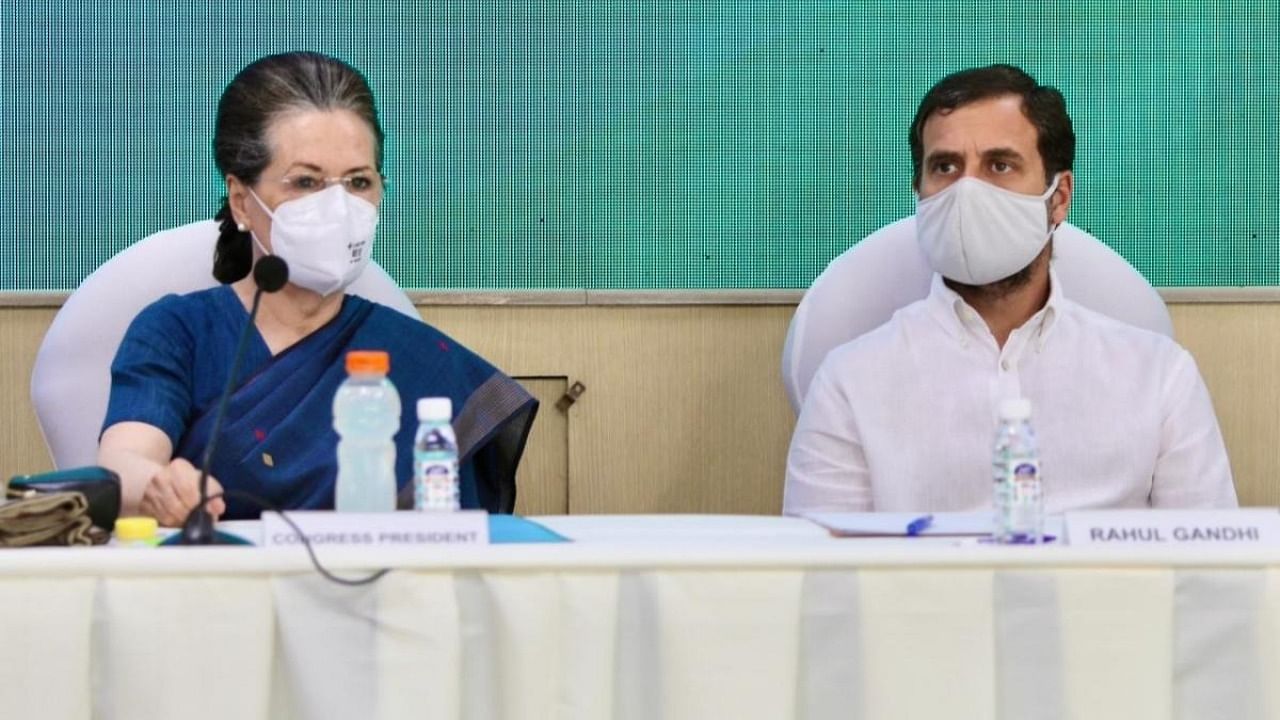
(270, 274)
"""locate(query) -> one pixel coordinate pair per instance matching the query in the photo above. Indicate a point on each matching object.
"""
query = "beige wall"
(684, 410)
(1237, 346)
(22, 448)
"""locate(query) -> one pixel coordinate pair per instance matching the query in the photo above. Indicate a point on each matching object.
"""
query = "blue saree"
(278, 440)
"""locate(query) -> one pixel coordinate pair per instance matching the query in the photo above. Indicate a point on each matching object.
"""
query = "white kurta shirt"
(903, 418)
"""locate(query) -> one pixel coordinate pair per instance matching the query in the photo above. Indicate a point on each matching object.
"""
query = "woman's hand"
(174, 490)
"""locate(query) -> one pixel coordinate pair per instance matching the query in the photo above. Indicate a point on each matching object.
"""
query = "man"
(903, 417)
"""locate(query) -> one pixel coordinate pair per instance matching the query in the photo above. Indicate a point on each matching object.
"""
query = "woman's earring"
(242, 227)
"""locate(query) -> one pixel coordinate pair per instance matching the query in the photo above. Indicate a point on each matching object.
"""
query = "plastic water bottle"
(435, 457)
(1019, 495)
(366, 414)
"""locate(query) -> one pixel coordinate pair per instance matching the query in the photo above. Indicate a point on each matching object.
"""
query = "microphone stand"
(270, 274)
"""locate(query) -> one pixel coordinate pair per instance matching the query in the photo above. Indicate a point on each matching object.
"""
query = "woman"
(298, 141)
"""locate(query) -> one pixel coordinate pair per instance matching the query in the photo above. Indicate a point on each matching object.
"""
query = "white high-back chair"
(862, 288)
(72, 375)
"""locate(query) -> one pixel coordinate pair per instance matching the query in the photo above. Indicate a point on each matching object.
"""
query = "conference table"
(645, 617)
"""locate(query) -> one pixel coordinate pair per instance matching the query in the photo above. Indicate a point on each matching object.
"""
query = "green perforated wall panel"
(600, 144)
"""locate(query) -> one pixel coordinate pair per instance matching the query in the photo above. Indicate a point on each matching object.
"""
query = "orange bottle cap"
(368, 361)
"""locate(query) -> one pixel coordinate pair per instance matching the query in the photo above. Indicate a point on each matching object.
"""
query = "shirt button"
(1006, 365)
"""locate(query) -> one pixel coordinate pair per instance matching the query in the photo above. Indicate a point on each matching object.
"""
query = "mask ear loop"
(270, 214)
(1048, 197)
(258, 242)
(1053, 187)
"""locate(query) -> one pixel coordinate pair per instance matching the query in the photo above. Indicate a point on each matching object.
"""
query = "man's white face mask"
(976, 233)
(325, 237)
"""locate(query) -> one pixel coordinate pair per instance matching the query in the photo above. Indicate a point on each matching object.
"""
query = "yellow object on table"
(137, 531)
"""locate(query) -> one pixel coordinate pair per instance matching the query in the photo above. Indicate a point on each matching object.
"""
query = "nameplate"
(391, 529)
(1250, 526)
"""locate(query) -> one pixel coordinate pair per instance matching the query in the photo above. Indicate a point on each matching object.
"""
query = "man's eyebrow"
(949, 155)
(1002, 153)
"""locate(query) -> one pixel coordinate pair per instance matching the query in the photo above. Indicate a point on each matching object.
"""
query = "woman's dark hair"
(1044, 106)
(260, 93)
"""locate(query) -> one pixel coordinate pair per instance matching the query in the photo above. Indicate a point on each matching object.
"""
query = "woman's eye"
(306, 182)
(361, 182)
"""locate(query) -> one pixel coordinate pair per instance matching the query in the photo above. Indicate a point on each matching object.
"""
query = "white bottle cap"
(1015, 409)
(435, 408)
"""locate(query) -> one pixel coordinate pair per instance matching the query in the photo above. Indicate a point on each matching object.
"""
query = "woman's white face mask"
(976, 233)
(325, 237)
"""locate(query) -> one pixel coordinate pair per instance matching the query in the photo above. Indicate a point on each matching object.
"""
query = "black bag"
(100, 487)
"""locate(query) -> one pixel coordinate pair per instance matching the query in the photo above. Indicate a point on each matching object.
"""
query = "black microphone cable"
(267, 505)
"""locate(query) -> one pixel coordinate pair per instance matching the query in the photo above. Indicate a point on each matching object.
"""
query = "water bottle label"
(1018, 498)
(436, 482)
(1026, 482)
(1017, 471)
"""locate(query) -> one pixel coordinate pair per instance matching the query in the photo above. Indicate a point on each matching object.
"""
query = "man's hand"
(174, 491)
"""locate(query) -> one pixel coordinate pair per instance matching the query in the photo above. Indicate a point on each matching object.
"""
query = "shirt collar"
(1048, 315)
(963, 323)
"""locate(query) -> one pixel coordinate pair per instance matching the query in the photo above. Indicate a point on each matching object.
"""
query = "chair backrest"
(72, 375)
(862, 288)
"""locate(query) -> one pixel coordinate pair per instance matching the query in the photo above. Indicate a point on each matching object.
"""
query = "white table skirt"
(760, 618)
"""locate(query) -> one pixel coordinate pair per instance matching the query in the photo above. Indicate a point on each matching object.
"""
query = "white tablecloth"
(644, 618)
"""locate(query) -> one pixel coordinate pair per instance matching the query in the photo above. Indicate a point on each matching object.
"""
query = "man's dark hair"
(263, 91)
(1044, 106)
